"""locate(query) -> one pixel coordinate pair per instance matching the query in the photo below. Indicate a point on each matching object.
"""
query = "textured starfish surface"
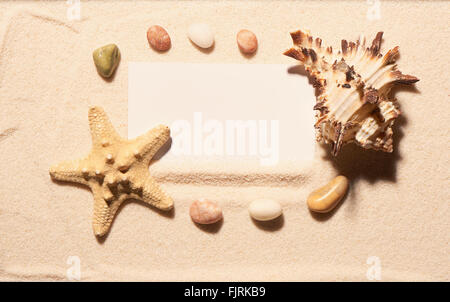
(116, 169)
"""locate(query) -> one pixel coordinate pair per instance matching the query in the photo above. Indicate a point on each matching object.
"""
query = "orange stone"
(205, 212)
(158, 38)
(247, 41)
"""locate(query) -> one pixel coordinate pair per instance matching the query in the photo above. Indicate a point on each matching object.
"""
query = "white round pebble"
(201, 35)
(264, 209)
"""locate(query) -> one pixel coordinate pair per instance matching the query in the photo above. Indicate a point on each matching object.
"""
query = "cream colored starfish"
(116, 169)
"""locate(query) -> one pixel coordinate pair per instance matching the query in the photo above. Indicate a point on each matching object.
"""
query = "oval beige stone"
(201, 35)
(158, 38)
(326, 198)
(264, 209)
(205, 212)
(247, 41)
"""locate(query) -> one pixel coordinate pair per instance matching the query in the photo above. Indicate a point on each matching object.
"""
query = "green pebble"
(106, 59)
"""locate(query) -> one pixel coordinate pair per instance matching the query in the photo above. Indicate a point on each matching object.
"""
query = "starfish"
(116, 169)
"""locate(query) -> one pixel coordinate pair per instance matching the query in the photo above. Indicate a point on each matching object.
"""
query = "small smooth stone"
(158, 38)
(205, 212)
(264, 209)
(326, 198)
(201, 35)
(106, 59)
(247, 41)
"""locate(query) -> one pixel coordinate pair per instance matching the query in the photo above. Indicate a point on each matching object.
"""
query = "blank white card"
(224, 111)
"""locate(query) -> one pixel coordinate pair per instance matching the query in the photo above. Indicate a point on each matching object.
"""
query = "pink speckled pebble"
(205, 212)
(247, 41)
(158, 38)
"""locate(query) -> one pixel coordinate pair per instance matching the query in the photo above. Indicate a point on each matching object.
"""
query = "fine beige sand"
(396, 212)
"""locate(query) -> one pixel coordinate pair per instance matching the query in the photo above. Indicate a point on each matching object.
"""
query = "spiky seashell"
(353, 102)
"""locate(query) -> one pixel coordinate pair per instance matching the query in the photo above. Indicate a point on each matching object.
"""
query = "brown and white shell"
(353, 102)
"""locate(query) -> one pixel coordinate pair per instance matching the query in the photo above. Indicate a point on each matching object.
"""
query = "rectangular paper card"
(224, 112)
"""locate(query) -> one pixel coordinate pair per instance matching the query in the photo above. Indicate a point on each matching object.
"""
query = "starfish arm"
(71, 171)
(149, 143)
(155, 196)
(102, 131)
(103, 212)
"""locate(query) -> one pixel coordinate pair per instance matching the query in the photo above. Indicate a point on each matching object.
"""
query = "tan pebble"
(325, 198)
(205, 212)
(247, 41)
(158, 38)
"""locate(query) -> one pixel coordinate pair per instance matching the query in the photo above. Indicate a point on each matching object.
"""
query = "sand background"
(397, 208)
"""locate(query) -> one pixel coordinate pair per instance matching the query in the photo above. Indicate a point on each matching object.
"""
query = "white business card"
(224, 111)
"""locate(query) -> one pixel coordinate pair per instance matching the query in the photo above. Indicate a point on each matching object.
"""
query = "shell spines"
(353, 102)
